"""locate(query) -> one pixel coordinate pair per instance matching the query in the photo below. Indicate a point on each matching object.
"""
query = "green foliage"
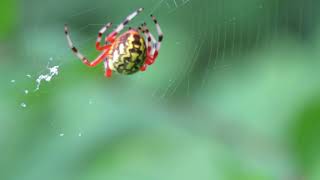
(306, 137)
(8, 18)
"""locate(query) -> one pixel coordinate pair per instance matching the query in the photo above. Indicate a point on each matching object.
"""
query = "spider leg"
(153, 50)
(108, 71)
(151, 40)
(160, 38)
(101, 32)
(82, 57)
(142, 30)
(145, 29)
(112, 36)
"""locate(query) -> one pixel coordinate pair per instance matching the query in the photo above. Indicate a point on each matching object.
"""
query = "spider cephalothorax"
(126, 54)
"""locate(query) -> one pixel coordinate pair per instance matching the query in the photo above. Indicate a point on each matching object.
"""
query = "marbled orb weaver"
(126, 54)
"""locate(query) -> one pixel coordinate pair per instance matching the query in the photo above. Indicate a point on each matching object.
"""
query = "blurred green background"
(234, 94)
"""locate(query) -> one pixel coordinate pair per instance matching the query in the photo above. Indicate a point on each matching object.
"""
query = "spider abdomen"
(128, 53)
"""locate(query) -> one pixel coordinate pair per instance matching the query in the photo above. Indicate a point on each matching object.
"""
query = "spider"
(126, 54)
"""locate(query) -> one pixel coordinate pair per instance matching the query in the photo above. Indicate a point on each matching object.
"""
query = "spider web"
(170, 7)
(222, 39)
(192, 46)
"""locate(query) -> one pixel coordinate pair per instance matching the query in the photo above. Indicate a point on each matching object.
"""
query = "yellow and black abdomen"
(128, 53)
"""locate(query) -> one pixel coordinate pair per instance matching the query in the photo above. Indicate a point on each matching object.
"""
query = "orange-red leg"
(98, 60)
(101, 32)
(108, 71)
